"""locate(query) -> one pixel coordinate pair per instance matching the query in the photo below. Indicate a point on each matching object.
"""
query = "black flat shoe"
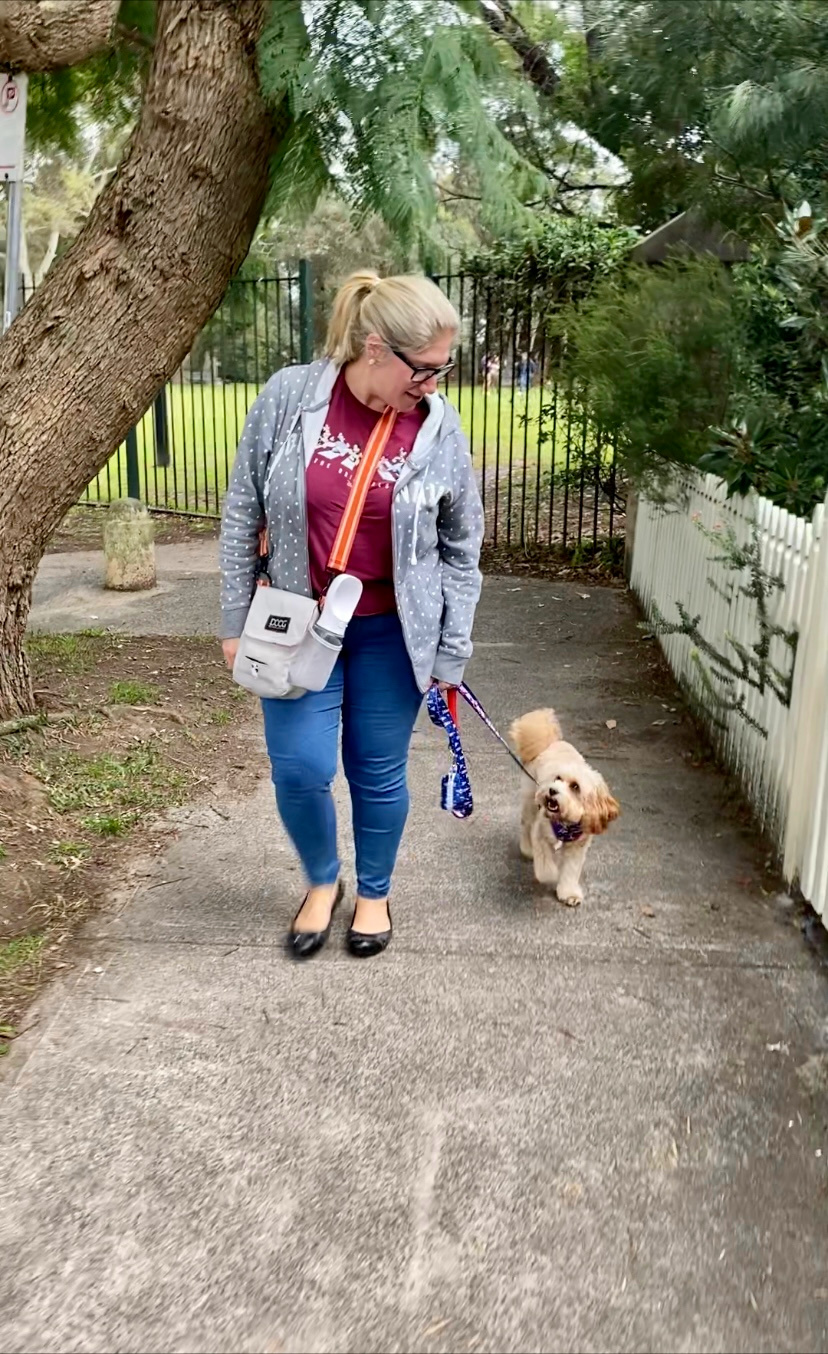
(366, 946)
(302, 944)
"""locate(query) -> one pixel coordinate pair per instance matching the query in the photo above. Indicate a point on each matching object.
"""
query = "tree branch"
(49, 257)
(40, 35)
(499, 17)
(133, 37)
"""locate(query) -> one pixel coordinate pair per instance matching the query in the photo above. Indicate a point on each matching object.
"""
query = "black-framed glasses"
(421, 374)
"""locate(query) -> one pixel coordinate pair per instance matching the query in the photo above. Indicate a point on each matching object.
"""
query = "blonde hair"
(407, 313)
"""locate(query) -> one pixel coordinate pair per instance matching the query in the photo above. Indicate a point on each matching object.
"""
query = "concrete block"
(129, 546)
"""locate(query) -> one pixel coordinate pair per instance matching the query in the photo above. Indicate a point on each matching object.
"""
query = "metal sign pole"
(14, 224)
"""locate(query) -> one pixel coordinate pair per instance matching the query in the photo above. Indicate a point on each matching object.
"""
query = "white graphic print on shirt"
(334, 449)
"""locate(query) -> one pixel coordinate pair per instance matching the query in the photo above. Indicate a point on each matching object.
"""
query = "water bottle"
(321, 646)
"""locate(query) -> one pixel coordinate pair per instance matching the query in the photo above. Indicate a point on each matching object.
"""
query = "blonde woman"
(416, 552)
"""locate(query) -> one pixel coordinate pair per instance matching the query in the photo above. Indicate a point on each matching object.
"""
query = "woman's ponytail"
(407, 312)
(344, 342)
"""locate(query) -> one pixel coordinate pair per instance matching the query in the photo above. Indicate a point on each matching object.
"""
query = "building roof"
(690, 233)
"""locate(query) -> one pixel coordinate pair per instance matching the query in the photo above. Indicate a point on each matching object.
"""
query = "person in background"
(416, 552)
(526, 371)
(492, 372)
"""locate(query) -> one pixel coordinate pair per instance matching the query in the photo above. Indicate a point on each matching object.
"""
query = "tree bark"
(41, 35)
(118, 313)
(537, 67)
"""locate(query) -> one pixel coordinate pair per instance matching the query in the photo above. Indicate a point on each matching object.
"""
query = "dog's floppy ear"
(600, 809)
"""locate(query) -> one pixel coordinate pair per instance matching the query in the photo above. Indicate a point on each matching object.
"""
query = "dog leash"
(470, 699)
(455, 789)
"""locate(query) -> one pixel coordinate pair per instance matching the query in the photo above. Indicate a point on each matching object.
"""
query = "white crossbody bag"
(290, 643)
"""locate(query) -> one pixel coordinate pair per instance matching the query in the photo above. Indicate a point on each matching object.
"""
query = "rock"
(129, 546)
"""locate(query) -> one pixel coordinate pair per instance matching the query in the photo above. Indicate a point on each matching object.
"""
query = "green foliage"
(715, 103)
(376, 91)
(64, 106)
(657, 350)
(17, 954)
(138, 779)
(561, 258)
(133, 693)
(776, 440)
(720, 672)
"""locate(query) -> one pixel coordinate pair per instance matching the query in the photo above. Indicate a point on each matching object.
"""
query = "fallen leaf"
(611, 723)
(658, 722)
(647, 912)
(586, 596)
(436, 1328)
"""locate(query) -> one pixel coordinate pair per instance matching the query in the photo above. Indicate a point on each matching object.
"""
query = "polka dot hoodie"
(436, 519)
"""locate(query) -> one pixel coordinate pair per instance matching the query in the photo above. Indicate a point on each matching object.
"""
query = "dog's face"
(571, 792)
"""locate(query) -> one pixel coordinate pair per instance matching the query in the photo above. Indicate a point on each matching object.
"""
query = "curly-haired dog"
(569, 805)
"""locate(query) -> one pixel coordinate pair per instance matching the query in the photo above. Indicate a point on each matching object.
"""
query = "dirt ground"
(82, 529)
(137, 727)
(603, 562)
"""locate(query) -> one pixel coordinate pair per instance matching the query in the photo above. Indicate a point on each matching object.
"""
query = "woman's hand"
(229, 648)
(443, 686)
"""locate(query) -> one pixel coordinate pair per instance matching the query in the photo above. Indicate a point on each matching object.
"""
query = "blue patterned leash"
(455, 789)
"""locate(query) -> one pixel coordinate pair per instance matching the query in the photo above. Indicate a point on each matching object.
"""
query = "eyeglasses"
(422, 374)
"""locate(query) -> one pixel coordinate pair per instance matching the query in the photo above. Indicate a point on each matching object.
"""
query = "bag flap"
(279, 617)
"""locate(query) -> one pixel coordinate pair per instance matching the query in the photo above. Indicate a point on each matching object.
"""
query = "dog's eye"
(575, 787)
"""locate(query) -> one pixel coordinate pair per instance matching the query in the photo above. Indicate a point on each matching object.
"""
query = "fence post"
(305, 311)
(133, 478)
(159, 415)
(629, 532)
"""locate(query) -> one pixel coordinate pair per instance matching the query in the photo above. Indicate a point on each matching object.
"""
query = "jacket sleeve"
(243, 514)
(460, 536)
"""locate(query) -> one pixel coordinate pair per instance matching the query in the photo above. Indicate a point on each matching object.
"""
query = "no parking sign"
(12, 125)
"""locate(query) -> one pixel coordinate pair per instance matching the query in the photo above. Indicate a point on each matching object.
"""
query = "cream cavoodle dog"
(567, 807)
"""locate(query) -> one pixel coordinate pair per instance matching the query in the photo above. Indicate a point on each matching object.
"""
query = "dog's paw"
(526, 847)
(570, 898)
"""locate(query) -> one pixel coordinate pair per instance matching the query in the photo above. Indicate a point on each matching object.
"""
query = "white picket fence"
(785, 774)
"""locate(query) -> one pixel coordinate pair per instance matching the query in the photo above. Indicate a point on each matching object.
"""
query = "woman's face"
(400, 377)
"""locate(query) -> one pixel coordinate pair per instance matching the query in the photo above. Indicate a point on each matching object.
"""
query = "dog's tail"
(532, 734)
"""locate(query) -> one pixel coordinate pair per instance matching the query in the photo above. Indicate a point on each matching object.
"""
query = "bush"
(776, 438)
(659, 351)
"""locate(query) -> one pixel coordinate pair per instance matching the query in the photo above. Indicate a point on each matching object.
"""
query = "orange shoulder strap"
(361, 483)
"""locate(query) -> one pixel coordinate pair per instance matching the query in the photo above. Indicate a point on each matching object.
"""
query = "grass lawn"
(206, 421)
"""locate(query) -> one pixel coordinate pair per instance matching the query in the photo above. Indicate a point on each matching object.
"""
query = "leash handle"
(451, 702)
(455, 790)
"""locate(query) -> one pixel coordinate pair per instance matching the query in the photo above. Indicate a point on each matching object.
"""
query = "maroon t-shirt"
(328, 482)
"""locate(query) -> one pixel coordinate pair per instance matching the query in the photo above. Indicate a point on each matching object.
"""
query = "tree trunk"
(117, 314)
(38, 35)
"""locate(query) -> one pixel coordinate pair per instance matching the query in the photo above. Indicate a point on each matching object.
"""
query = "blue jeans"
(373, 693)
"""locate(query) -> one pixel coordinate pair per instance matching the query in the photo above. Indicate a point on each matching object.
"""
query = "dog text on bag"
(278, 625)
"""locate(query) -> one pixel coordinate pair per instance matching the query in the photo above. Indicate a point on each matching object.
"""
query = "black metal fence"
(546, 474)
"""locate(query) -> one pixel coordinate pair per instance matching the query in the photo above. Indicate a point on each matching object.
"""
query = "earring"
(372, 361)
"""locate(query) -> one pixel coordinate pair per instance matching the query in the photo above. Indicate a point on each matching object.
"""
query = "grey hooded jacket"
(436, 517)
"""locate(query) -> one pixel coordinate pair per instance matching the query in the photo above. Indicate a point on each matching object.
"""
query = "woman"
(416, 552)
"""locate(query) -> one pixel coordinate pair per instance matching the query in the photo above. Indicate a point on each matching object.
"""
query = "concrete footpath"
(524, 1128)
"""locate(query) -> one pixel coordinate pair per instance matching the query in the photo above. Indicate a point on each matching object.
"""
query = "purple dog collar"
(567, 832)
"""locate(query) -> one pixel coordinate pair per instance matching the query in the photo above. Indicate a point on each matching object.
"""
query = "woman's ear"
(375, 350)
